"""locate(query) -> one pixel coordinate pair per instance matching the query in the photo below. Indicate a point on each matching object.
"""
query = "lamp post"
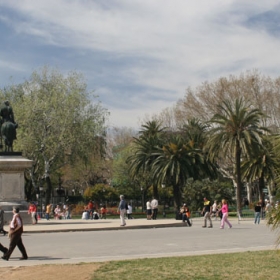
(142, 192)
(41, 189)
(163, 212)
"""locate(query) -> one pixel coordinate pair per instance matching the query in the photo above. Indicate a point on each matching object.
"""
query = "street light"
(41, 189)
(142, 191)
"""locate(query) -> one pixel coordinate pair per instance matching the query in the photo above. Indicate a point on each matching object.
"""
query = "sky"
(139, 56)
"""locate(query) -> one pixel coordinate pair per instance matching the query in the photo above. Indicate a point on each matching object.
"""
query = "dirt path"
(47, 272)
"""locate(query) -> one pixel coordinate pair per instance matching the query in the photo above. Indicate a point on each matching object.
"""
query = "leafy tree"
(235, 131)
(58, 123)
(142, 158)
(101, 193)
(261, 165)
(195, 191)
(174, 163)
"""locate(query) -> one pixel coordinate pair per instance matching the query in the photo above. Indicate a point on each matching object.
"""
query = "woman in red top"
(225, 214)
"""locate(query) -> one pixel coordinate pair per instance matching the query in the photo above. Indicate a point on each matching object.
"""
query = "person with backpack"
(122, 210)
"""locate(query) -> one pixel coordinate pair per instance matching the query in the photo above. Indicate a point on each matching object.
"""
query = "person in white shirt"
(149, 209)
(129, 211)
(16, 230)
(154, 205)
(214, 209)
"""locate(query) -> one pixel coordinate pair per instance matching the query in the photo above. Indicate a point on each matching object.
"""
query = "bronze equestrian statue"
(8, 126)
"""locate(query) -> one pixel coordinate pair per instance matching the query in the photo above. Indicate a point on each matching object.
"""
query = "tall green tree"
(235, 130)
(142, 158)
(59, 121)
(174, 163)
(261, 166)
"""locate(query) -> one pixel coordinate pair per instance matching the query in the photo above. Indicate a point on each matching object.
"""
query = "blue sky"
(139, 56)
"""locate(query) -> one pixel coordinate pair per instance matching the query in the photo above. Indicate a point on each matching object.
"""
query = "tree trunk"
(177, 196)
(238, 178)
(261, 187)
(155, 191)
(48, 190)
(249, 192)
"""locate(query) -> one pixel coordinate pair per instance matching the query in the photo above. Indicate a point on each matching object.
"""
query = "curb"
(106, 229)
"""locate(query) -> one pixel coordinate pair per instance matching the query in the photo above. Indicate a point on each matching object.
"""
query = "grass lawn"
(247, 265)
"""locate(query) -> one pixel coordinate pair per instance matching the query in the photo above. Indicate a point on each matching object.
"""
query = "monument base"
(12, 166)
(8, 209)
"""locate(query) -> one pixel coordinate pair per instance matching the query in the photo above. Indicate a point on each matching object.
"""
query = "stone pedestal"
(12, 192)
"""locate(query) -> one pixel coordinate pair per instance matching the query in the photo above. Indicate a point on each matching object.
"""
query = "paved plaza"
(75, 241)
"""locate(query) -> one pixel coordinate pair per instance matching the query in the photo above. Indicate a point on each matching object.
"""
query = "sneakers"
(210, 226)
(23, 258)
(203, 226)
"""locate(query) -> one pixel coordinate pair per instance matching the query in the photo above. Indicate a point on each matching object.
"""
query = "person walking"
(214, 209)
(2, 221)
(154, 205)
(258, 209)
(225, 215)
(207, 211)
(33, 211)
(16, 230)
(149, 210)
(48, 211)
(122, 210)
(103, 212)
(129, 211)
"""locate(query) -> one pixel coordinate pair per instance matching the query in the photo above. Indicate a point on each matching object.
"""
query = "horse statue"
(8, 126)
(8, 134)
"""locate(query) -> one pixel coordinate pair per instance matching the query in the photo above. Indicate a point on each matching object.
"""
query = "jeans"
(225, 220)
(207, 217)
(257, 217)
(122, 217)
(186, 218)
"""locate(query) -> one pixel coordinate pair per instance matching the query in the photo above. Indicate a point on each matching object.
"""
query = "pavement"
(171, 238)
(70, 225)
(52, 225)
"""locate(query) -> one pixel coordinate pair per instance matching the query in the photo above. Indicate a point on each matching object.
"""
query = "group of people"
(209, 210)
(91, 211)
(58, 212)
(152, 209)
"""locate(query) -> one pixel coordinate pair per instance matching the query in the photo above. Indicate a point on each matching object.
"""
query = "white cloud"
(145, 53)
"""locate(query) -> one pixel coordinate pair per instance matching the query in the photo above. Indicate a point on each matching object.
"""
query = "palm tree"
(261, 166)
(235, 131)
(174, 163)
(141, 160)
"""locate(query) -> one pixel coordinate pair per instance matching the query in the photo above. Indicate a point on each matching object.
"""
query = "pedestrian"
(214, 209)
(16, 230)
(185, 214)
(149, 210)
(103, 212)
(122, 210)
(57, 212)
(258, 209)
(90, 209)
(32, 210)
(207, 211)
(67, 212)
(48, 211)
(2, 221)
(225, 214)
(129, 211)
(154, 205)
